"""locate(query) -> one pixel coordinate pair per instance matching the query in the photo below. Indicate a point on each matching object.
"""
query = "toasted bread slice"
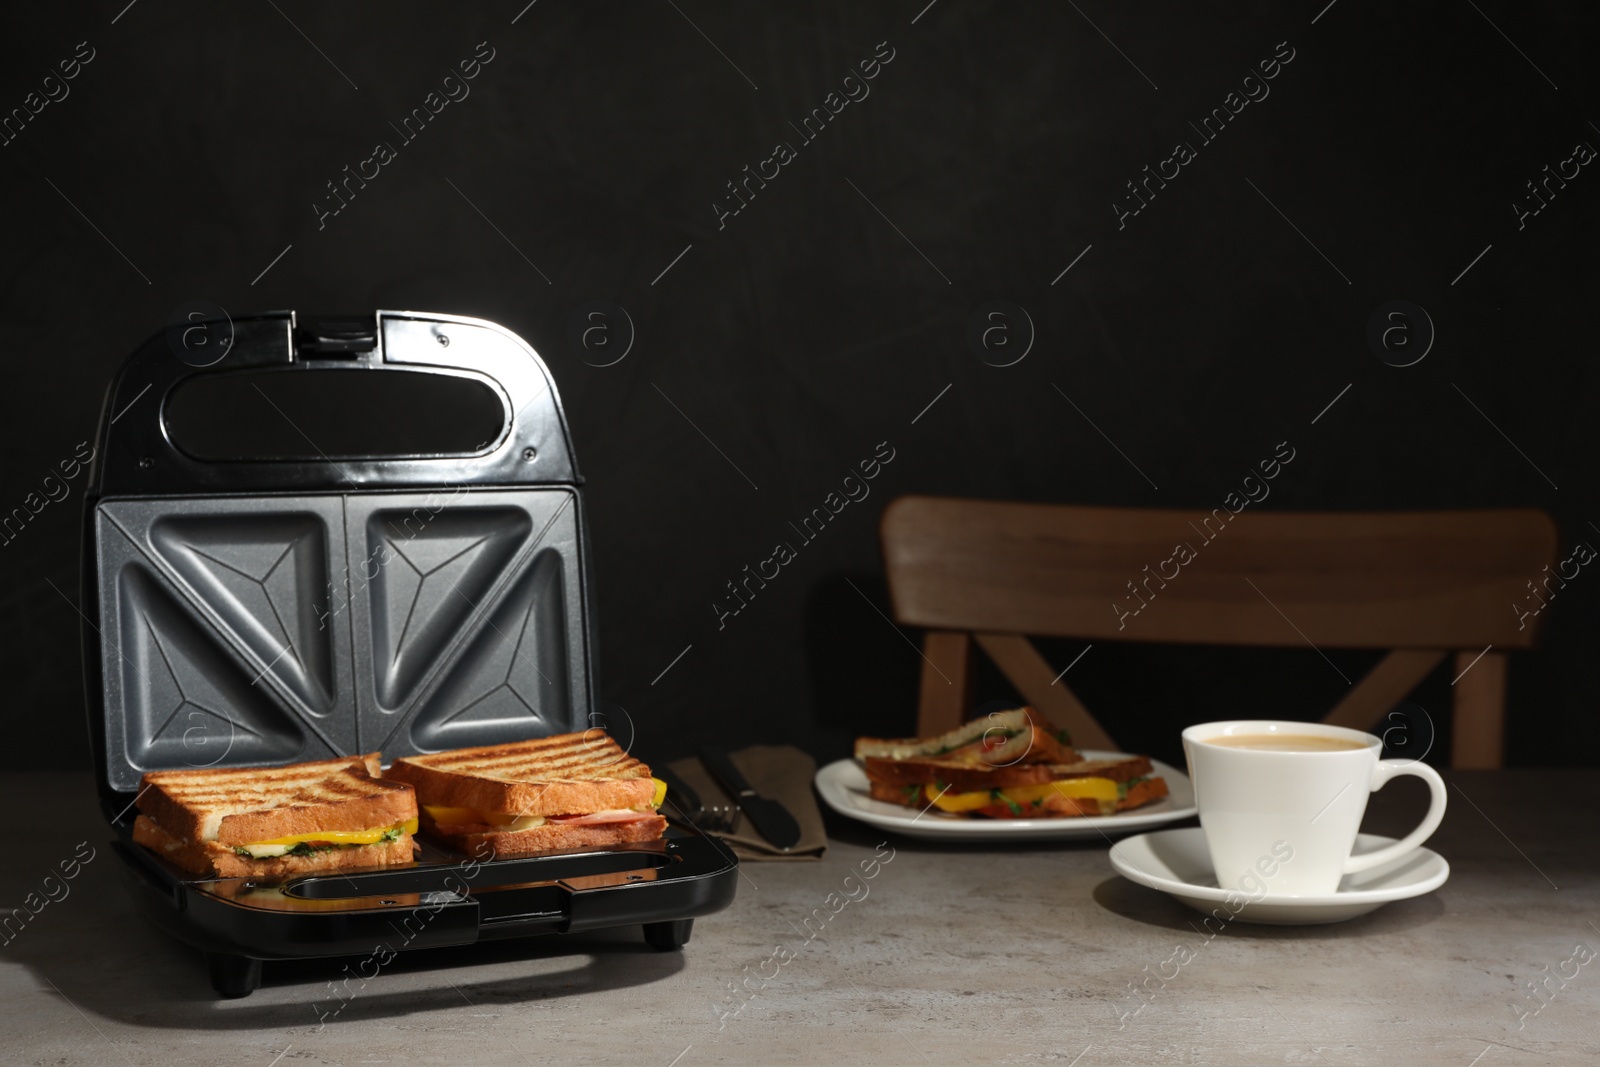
(1140, 793)
(208, 859)
(1003, 738)
(486, 842)
(965, 778)
(568, 774)
(239, 806)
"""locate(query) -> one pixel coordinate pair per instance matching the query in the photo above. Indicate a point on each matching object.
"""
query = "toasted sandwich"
(1020, 791)
(1008, 765)
(277, 822)
(567, 791)
(1002, 738)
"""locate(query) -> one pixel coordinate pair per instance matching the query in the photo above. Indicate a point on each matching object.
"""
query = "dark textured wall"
(778, 346)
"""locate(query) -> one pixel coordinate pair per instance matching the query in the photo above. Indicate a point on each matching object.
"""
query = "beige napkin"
(778, 772)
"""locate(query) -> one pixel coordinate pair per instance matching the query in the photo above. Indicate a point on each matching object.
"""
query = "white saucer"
(843, 787)
(1177, 863)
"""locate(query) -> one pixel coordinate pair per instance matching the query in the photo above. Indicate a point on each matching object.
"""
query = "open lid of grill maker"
(274, 598)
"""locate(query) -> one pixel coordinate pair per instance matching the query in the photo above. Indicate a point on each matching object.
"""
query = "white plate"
(1177, 863)
(843, 785)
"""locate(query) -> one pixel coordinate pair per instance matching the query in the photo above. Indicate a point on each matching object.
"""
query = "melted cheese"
(1103, 789)
(474, 817)
(346, 838)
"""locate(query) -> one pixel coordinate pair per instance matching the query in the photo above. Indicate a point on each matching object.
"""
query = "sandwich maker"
(254, 597)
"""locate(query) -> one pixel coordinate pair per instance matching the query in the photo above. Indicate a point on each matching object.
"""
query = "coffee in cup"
(1287, 742)
(1281, 802)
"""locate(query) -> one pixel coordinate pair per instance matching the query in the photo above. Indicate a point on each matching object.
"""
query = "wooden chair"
(1421, 584)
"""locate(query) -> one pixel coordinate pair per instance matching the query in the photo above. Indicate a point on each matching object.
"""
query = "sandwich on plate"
(1001, 738)
(568, 791)
(1011, 765)
(276, 822)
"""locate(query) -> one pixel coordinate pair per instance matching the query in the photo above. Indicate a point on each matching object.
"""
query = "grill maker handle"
(455, 879)
(136, 456)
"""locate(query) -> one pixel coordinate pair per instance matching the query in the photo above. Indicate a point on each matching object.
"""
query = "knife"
(686, 800)
(770, 818)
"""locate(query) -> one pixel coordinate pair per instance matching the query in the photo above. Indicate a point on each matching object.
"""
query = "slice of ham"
(599, 817)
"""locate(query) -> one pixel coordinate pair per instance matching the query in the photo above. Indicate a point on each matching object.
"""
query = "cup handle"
(1392, 768)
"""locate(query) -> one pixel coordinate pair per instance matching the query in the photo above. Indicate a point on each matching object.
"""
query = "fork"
(718, 819)
(715, 819)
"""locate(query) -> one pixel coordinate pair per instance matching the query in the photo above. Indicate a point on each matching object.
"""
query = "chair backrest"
(1422, 584)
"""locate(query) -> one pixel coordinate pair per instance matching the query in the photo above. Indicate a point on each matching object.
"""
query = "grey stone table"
(948, 955)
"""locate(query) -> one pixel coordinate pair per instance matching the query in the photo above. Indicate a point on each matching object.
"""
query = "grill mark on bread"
(565, 757)
(566, 774)
(321, 790)
(241, 806)
(293, 771)
(1036, 740)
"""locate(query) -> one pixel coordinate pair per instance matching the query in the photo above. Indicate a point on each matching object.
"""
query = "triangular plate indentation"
(429, 573)
(266, 577)
(510, 682)
(188, 702)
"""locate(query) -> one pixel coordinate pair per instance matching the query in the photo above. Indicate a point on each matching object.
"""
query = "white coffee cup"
(1283, 822)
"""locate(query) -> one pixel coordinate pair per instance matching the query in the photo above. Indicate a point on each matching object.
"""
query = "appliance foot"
(669, 935)
(233, 976)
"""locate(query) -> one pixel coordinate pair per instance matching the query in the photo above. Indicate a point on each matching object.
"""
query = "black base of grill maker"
(288, 595)
(437, 902)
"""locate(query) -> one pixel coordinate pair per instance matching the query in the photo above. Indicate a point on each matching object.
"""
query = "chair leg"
(945, 694)
(1480, 711)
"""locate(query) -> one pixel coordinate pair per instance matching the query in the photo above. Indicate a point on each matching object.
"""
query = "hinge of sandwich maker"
(350, 337)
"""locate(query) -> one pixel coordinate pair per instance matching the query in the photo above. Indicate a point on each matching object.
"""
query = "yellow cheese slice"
(1075, 788)
(1103, 789)
(472, 816)
(280, 845)
(957, 802)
